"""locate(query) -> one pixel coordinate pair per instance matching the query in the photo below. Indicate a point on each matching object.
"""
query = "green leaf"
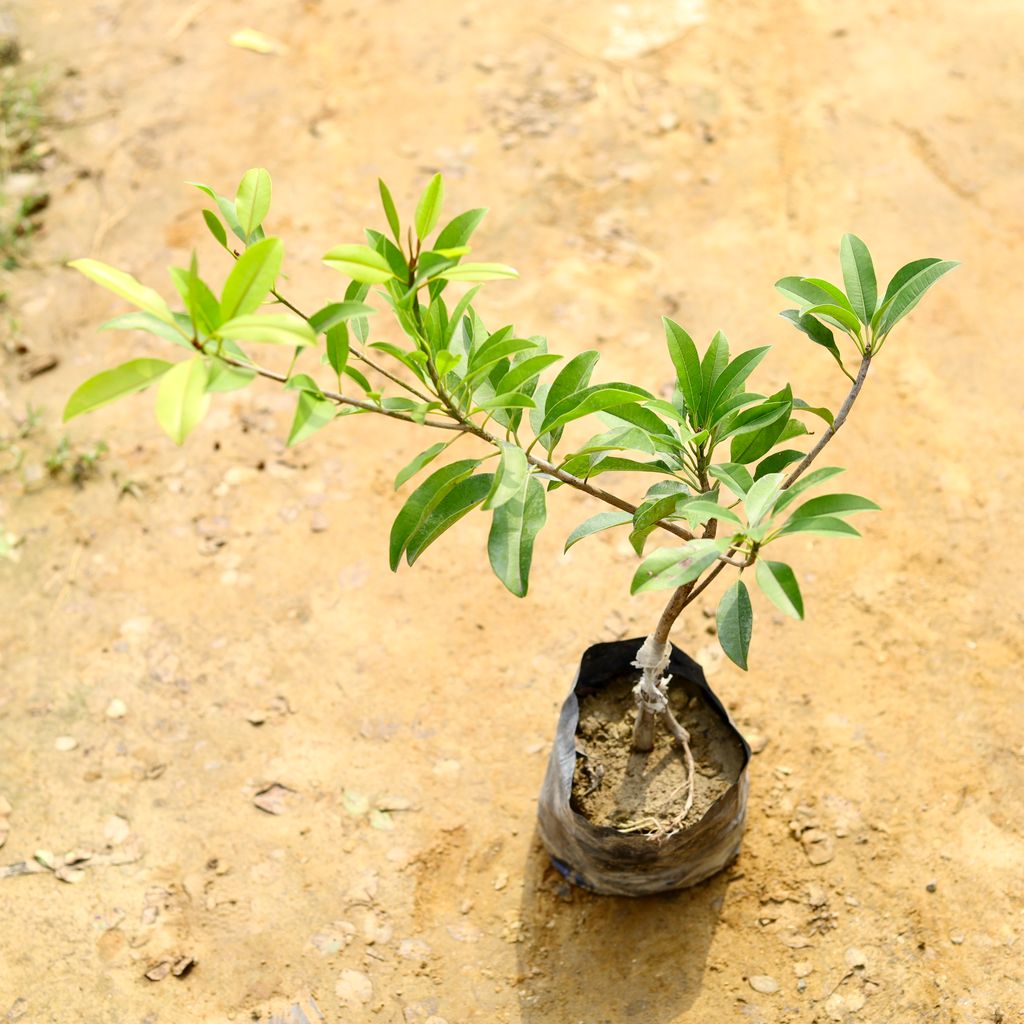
(736, 623)
(700, 511)
(457, 232)
(514, 528)
(226, 207)
(778, 462)
(271, 328)
(859, 277)
(110, 385)
(715, 360)
(389, 210)
(812, 479)
(337, 313)
(802, 292)
(216, 228)
(359, 262)
(815, 410)
(303, 382)
(512, 400)
(311, 413)
(252, 201)
(590, 400)
(522, 372)
(778, 583)
(422, 500)
(201, 303)
(762, 496)
(125, 286)
(597, 523)
(815, 330)
(251, 278)
(181, 399)
(150, 324)
(457, 502)
(336, 343)
(735, 476)
(821, 525)
(513, 468)
(423, 459)
(836, 296)
(756, 431)
(911, 293)
(221, 376)
(683, 353)
(734, 375)
(478, 272)
(428, 209)
(672, 567)
(834, 504)
(903, 275)
(836, 315)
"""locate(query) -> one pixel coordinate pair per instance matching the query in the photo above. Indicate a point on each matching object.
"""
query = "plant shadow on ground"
(566, 931)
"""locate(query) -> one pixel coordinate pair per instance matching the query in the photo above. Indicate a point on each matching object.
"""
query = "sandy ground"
(639, 158)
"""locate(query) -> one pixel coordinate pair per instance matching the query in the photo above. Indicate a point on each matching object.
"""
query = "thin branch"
(844, 411)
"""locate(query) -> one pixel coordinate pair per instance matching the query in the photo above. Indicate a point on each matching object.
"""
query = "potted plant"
(646, 785)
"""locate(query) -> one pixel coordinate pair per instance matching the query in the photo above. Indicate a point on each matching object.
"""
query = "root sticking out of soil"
(616, 786)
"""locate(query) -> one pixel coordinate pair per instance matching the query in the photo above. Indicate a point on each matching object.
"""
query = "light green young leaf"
(110, 385)
(271, 328)
(513, 469)
(311, 413)
(778, 583)
(182, 399)
(125, 286)
(226, 207)
(833, 314)
(359, 262)
(423, 459)
(514, 528)
(252, 201)
(859, 277)
(761, 496)
(735, 476)
(590, 400)
(836, 295)
(251, 278)
(221, 376)
(478, 272)
(512, 400)
(802, 292)
(672, 567)
(732, 377)
(390, 211)
(456, 503)
(337, 347)
(736, 623)
(428, 209)
(700, 511)
(522, 372)
(337, 313)
(139, 321)
(595, 524)
(216, 228)
(457, 232)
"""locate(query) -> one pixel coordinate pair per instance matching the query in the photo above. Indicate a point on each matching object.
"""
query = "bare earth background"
(640, 158)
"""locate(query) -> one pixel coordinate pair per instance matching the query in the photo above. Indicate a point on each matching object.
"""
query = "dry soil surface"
(234, 626)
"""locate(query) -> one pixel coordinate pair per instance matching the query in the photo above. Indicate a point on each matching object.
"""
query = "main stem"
(652, 659)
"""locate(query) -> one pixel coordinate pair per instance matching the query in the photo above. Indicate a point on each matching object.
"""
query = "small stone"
(835, 1006)
(763, 983)
(819, 846)
(500, 881)
(65, 743)
(273, 798)
(116, 708)
(855, 958)
(46, 858)
(802, 968)
(116, 830)
(756, 741)
(354, 988)
(318, 522)
(668, 122)
(256, 718)
(957, 938)
(931, 887)
(855, 1001)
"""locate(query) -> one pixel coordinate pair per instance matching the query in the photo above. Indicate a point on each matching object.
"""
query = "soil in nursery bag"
(615, 786)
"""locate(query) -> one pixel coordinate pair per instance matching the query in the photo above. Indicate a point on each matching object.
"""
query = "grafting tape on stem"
(652, 691)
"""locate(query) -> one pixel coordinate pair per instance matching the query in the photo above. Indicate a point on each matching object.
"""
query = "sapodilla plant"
(734, 470)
